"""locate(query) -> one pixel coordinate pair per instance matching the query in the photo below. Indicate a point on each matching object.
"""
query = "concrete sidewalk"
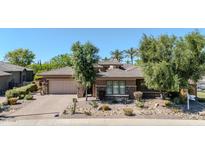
(104, 122)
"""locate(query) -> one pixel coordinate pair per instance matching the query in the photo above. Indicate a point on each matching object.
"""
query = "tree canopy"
(61, 60)
(117, 54)
(84, 58)
(21, 57)
(131, 53)
(170, 61)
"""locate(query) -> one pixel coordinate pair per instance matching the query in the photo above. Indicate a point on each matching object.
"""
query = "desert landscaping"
(148, 108)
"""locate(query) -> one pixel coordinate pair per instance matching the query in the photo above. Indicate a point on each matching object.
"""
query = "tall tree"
(131, 53)
(156, 58)
(169, 61)
(84, 58)
(61, 60)
(21, 57)
(189, 58)
(117, 54)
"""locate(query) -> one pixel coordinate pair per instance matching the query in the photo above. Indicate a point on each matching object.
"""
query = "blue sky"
(47, 42)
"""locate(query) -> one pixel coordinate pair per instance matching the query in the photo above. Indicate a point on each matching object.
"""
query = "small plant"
(138, 95)
(176, 110)
(167, 103)
(12, 101)
(94, 104)
(105, 108)
(128, 111)
(88, 113)
(28, 97)
(139, 104)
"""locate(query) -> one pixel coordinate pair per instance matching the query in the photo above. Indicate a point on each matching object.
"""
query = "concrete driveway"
(47, 106)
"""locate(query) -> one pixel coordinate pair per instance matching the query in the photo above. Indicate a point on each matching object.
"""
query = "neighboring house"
(114, 79)
(13, 75)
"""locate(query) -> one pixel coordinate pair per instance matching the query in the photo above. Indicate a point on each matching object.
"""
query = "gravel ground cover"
(153, 109)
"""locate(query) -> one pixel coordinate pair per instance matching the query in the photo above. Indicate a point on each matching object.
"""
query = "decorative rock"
(156, 105)
(202, 113)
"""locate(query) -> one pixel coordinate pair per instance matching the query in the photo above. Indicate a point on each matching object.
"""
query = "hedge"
(17, 92)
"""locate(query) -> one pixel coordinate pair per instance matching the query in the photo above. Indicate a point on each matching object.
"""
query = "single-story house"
(13, 76)
(114, 79)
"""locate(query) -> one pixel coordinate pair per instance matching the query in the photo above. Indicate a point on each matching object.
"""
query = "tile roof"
(116, 72)
(110, 62)
(65, 71)
(4, 73)
(6, 67)
(97, 66)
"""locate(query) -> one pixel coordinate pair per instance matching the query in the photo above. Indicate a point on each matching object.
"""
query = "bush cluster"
(21, 91)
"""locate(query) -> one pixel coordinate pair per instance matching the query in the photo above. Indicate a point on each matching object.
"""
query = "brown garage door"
(62, 87)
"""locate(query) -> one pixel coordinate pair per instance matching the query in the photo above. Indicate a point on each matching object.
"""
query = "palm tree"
(131, 53)
(117, 54)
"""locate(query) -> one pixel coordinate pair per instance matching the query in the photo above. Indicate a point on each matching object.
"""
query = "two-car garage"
(63, 86)
(61, 81)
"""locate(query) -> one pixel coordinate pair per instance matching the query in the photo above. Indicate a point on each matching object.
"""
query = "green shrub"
(17, 92)
(105, 108)
(139, 104)
(128, 111)
(37, 77)
(12, 101)
(21, 96)
(138, 95)
(94, 104)
(28, 97)
(167, 103)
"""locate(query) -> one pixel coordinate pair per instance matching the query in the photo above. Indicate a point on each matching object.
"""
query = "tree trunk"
(132, 60)
(86, 93)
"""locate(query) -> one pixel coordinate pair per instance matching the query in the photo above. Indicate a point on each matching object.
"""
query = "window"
(109, 87)
(115, 87)
(122, 87)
